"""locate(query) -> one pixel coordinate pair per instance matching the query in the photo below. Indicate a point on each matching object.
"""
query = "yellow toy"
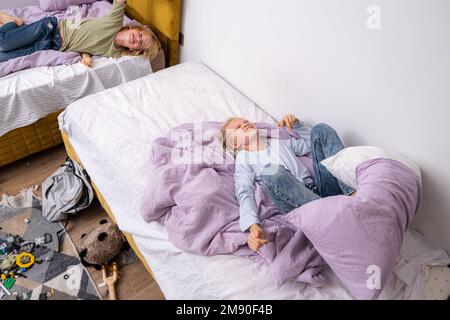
(24, 260)
(111, 280)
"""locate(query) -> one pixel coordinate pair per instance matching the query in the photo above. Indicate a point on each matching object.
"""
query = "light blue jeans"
(288, 193)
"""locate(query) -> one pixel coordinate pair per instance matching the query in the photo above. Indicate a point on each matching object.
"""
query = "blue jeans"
(21, 41)
(288, 193)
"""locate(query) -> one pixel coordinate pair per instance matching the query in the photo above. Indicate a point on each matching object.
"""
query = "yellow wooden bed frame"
(73, 155)
(163, 17)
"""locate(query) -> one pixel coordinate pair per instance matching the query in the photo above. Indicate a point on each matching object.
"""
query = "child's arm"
(303, 145)
(300, 147)
(244, 179)
(256, 237)
(86, 59)
(118, 9)
(302, 129)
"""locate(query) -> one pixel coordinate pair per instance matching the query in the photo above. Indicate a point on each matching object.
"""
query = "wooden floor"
(135, 282)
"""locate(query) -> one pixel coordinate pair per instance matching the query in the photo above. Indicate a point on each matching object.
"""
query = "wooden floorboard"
(135, 282)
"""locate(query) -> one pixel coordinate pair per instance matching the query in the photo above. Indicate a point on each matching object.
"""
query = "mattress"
(112, 132)
(29, 95)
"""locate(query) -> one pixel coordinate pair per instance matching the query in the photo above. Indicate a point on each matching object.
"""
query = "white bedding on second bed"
(29, 95)
(112, 133)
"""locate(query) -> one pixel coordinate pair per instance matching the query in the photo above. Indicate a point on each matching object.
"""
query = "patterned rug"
(57, 272)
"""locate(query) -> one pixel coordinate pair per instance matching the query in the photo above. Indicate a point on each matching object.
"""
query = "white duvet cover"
(29, 95)
(112, 132)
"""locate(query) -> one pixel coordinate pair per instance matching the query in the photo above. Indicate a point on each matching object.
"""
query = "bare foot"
(4, 18)
(19, 22)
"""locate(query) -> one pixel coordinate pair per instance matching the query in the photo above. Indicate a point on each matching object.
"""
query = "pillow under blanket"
(57, 5)
(343, 164)
(360, 236)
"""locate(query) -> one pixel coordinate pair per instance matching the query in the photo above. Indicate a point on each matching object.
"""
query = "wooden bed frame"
(163, 17)
(73, 155)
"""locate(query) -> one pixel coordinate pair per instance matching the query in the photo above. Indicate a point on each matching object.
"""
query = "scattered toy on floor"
(24, 260)
(101, 244)
(110, 280)
(8, 262)
(3, 248)
(4, 289)
(8, 283)
(16, 258)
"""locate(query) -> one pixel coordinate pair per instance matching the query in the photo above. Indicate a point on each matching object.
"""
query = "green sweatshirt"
(94, 36)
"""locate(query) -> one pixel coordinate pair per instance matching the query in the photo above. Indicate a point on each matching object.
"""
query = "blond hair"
(223, 134)
(150, 52)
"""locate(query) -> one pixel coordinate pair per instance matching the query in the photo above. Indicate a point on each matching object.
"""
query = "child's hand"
(86, 59)
(255, 238)
(289, 121)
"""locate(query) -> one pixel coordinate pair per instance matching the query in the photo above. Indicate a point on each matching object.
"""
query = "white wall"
(317, 59)
(17, 3)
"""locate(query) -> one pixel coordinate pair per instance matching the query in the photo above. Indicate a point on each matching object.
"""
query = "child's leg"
(8, 27)
(285, 190)
(14, 37)
(5, 18)
(5, 56)
(325, 143)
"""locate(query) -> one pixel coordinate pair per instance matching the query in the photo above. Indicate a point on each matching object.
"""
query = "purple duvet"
(51, 57)
(359, 237)
(197, 204)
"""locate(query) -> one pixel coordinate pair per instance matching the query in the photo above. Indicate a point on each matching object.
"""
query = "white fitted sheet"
(29, 95)
(112, 133)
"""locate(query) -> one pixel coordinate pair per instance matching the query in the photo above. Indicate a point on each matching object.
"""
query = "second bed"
(31, 99)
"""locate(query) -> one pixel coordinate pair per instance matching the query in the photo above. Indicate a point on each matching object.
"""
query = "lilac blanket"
(359, 237)
(197, 204)
(51, 57)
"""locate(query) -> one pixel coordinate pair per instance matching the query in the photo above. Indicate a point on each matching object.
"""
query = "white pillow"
(343, 164)
(438, 284)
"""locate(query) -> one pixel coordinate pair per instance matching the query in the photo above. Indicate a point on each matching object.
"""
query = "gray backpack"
(66, 192)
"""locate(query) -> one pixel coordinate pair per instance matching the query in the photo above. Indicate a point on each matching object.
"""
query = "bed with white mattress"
(29, 95)
(30, 100)
(112, 132)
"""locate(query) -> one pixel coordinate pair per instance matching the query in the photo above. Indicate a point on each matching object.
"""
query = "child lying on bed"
(274, 163)
(103, 36)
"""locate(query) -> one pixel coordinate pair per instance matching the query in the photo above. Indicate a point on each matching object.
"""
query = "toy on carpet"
(110, 280)
(102, 244)
(99, 247)
(16, 257)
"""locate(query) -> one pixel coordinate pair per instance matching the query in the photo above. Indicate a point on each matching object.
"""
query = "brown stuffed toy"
(101, 244)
